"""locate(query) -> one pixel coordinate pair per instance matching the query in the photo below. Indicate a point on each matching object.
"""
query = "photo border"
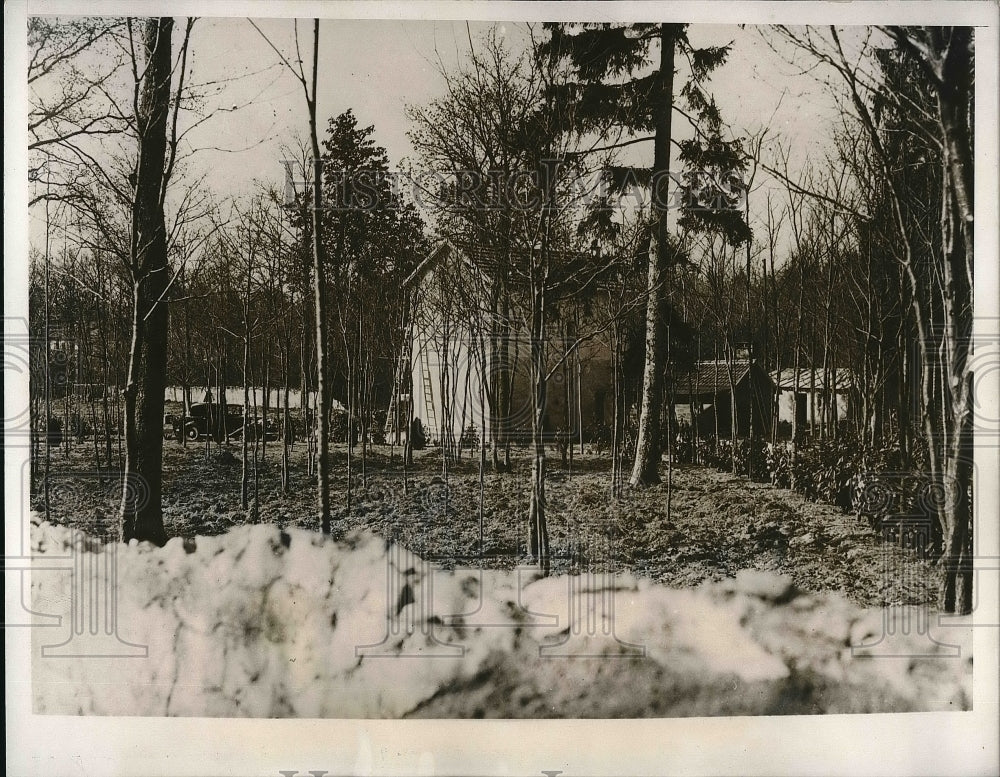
(915, 743)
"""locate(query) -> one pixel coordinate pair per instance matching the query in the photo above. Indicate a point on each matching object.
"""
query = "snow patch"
(262, 622)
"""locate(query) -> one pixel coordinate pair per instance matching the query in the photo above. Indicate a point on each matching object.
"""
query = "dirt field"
(716, 524)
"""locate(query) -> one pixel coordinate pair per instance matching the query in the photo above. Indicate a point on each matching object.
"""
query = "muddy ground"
(713, 524)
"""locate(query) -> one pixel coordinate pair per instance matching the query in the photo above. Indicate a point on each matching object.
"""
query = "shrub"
(340, 420)
(752, 458)
(469, 438)
(779, 465)
(599, 437)
(79, 427)
(377, 432)
(418, 439)
(715, 453)
(53, 433)
(683, 448)
(872, 484)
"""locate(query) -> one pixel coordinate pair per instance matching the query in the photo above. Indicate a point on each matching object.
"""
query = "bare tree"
(502, 134)
(943, 308)
(323, 388)
(68, 100)
(141, 512)
(472, 134)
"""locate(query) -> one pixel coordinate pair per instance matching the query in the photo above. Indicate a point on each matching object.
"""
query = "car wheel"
(192, 433)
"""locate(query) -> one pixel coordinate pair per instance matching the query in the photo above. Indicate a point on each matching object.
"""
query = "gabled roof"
(487, 261)
(440, 252)
(711, 377)
(841, 377)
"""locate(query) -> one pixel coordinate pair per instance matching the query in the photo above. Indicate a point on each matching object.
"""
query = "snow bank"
(265, 623)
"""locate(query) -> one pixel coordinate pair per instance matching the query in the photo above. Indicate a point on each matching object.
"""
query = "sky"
(374, 68)
(377, 68)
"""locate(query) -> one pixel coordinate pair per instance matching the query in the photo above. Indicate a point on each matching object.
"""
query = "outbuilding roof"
(711, 377)
(841, 378)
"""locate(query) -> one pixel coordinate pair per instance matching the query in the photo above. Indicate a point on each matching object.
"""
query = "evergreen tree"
(374, 240)
(621, 85)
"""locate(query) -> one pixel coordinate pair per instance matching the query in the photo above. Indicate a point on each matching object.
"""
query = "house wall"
(234, 396)
(706, 408)
(448, 383)
(582, 387)
(579, 396)
(754, 387)
(591, 391)
(814, 404)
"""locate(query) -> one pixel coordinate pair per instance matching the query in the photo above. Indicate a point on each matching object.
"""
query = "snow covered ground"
(262, 622)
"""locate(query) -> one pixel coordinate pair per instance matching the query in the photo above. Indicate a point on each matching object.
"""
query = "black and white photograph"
(624, 368)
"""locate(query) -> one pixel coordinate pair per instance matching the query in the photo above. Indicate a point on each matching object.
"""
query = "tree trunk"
(223, 398)
(493, 376)
(734, 418)
(319, 279)
(508, 367)
(954, 97)
(286, 421)
(826, 419)
(670, 431)
(265, 405)
(751, 384)
(185, 375)
(647, 449)
(696, 407)
(245, 471)
(141, 513)
(257, 453)
(955, 593)
(47, 356)
(106, 376)
(616, 389)
(538, 530)
(351, 411)
(482, 440)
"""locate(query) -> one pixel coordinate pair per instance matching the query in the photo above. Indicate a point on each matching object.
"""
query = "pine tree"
(611, 96)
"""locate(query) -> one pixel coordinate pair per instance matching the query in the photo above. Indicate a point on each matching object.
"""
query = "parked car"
(204, 419)
(269, 430)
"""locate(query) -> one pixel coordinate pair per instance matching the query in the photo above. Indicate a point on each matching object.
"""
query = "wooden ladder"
(391, 426)
(425, 369)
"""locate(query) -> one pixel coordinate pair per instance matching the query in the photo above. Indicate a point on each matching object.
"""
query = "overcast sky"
(376, 68)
